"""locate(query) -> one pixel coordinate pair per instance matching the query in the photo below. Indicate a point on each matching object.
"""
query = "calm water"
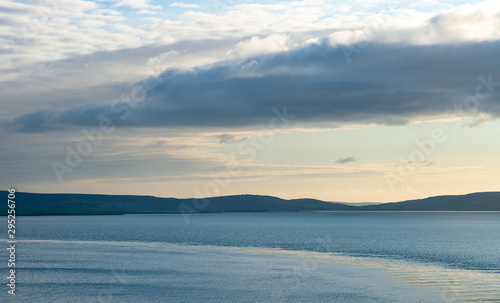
(260, 257)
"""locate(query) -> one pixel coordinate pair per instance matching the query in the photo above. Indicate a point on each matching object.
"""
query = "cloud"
(156, 144)
(227, 138)
(137, 4)
(346, 160)
(34, 122)
(161, 62)
(257, 45)
(462, 23)
(390, 84)
(98, 77)
(184, 5)
(64, 31)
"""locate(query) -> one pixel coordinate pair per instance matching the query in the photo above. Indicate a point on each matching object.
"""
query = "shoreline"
(51, 214)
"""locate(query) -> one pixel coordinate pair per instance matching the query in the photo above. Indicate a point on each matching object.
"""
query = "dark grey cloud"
(346, 160)
(384, 84)
(228, 138)
(99, 77)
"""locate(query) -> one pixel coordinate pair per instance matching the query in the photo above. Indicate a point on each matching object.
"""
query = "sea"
(257, 257)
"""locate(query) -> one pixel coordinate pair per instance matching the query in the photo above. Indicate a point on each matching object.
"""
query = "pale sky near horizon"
(352, 101)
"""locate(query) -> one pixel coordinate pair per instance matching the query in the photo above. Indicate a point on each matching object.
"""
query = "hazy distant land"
(90, 204)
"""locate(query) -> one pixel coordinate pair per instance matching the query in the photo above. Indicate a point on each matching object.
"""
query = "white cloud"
(349, 37)
(184, 5)
(160, 63)
(65, 30)
(147, 12)
(465, 23)
(257, 45)
(137, 4)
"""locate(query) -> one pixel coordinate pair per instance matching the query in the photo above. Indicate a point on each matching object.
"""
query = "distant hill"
(488, 201)
(89, 204)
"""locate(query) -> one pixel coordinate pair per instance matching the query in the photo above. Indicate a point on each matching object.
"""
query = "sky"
(350, 101)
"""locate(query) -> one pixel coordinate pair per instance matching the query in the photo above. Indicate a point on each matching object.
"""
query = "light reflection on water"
(452, 256)
(453, 285)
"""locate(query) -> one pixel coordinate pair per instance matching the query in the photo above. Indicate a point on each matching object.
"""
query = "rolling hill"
(90, 204)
